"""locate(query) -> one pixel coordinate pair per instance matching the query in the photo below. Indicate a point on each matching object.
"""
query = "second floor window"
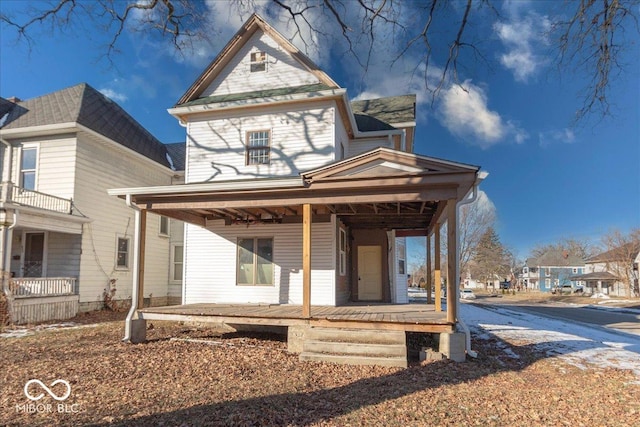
(28, 168)
(258, 147)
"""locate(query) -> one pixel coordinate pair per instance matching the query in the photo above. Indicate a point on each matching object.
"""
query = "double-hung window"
(164, 226)
(28, 168)
(258, 147)
(255, 261)
(177, 257)
(122, 253)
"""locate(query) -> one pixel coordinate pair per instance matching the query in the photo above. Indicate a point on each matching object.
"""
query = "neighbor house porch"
(40, 249)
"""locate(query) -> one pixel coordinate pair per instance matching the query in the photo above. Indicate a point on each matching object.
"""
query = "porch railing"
(42, 286)
(21, 196)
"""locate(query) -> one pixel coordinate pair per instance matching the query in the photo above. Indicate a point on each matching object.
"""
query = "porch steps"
(355, 347)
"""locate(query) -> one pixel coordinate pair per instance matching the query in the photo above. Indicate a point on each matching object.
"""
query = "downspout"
(135, 283)
(474, 195)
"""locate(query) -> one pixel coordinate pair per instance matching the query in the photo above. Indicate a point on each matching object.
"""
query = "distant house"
(550, 270)
(66, 245)
(614, 272)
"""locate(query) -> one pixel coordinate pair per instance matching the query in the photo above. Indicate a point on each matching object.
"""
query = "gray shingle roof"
(555, 259)
(382, 113)
(178, 153)
(626, 252)
(84, 105)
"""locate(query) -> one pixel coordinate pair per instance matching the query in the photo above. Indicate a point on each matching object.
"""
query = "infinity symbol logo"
(47, 389)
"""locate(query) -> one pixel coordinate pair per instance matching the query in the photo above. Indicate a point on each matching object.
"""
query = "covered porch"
(40, 248)
(382, 190)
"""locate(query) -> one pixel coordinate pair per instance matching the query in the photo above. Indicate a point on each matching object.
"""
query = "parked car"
(467, 294)
(564, 289)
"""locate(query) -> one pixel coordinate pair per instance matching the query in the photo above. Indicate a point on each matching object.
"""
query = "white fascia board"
(235, 185)
(179, 112)
(55, 128)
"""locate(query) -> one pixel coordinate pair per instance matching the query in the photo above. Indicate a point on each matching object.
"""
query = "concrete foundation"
(452, 346)
(138, 331)
(295, 338)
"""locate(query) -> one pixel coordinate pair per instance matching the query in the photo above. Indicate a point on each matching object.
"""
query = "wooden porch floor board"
(416, 317)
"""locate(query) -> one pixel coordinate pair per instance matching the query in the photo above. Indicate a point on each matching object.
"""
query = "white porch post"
(452, 274)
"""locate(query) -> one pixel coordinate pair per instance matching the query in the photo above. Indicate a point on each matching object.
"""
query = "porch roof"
(599, 275)
(382, 188)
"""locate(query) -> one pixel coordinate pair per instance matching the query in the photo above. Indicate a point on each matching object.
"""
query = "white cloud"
(116, 96)
(562, 136)
(522, 38)
(464, 111)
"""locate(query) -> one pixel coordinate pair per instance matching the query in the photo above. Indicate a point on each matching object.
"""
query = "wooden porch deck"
(403, 317)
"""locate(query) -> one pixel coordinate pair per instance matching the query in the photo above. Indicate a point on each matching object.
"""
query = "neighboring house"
(614, 272)
(551, 270)
(66, 245)
(294, 195)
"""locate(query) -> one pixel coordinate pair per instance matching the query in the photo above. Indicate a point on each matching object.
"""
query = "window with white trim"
(122, 253)
(574, 270)
(255, 261)
(258, 147)
(547, 271)
(525, 270)
(402, 269)
(258, 61)
(163, 228)
(547, 283)
(343, 252)
(177, 262)
(28, 164)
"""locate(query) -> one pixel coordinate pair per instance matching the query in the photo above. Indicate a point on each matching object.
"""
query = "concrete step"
(355, 336)
(354, 359)
(351, 348)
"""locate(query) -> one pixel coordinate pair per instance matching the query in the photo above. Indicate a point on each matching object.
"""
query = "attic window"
(258, 61)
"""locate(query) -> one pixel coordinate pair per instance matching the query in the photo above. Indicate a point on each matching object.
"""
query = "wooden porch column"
(429, 282)
(436, 273)
(452, 245)
(141, 255)
(306, 261)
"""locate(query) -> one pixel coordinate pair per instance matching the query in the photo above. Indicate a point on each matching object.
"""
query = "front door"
(370, 273)
(33, 265)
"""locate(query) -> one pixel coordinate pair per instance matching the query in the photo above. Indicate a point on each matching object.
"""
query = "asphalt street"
(619, 319)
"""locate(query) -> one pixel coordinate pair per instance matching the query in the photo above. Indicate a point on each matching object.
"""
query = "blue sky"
(548, 178)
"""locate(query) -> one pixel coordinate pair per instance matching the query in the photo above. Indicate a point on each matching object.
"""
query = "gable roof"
(627, 252)
(178, 153)
(555, 259)
(384, 113)
(253, 24)
(5, 107)
(84, 105)
(386, 162)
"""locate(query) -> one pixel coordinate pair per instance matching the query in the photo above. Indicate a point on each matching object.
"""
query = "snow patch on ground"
(578, 345)
(24, 331)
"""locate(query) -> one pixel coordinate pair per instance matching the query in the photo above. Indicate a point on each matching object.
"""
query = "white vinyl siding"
(55, 164)
(100, 166)
(358, 146)
(301, 139)
(63, 255)
(281, 70)
(211, 258)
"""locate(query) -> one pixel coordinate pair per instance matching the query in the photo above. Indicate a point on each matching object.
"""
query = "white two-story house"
(65, 244)
(293, 194)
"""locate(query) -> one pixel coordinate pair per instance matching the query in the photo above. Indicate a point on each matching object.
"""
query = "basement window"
(258, 61)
